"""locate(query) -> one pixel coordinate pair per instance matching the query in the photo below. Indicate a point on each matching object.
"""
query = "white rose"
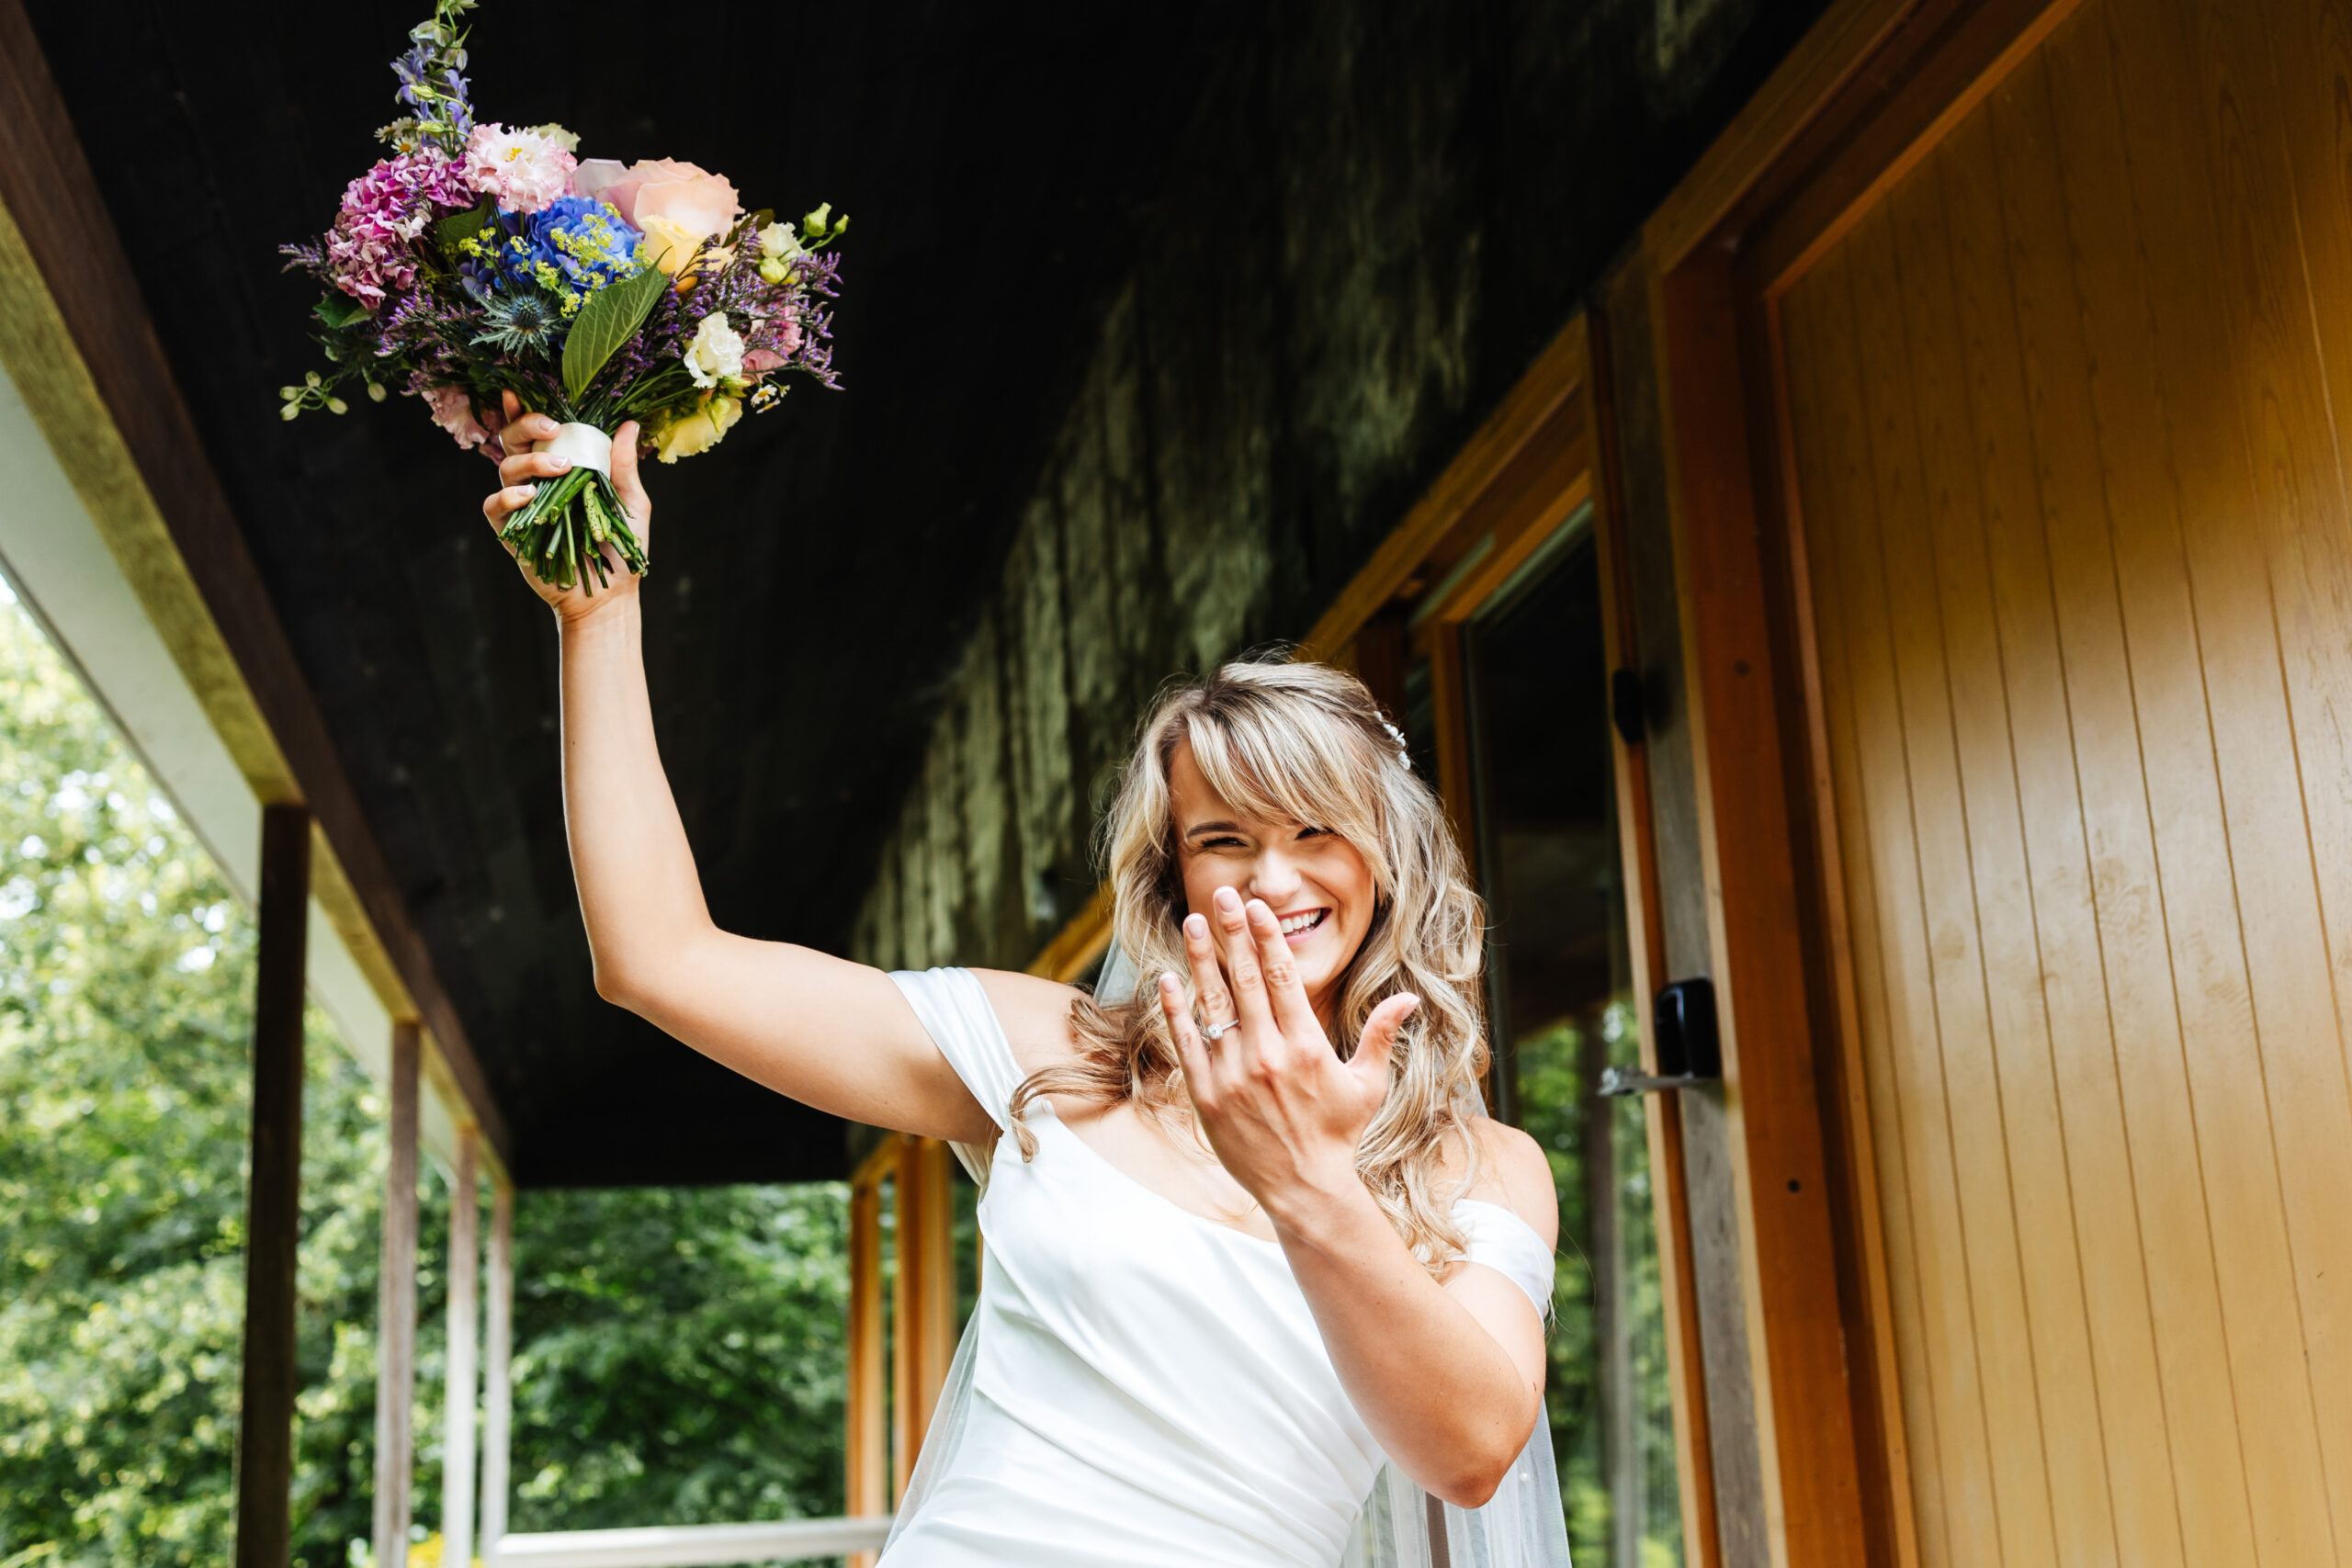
(717, 352)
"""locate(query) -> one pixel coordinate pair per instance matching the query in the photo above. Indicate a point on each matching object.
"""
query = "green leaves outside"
(678, 1353)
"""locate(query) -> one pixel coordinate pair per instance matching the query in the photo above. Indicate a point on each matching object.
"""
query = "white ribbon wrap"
(587, 446)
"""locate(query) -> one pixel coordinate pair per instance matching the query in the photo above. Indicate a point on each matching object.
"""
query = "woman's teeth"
(1293, 924)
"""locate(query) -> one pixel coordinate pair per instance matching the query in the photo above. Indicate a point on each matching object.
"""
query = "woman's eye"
(1313, 832)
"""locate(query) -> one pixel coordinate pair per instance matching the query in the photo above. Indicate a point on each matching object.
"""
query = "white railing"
(692, 1546)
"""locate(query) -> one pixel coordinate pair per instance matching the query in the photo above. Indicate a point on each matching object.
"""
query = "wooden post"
(457, 1421)
(923, 1299)
(274, 1196)
(396, 1307)
(498, 1392)
(868, 1459)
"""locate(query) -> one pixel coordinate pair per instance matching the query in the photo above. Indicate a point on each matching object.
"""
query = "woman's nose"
(1274, 878)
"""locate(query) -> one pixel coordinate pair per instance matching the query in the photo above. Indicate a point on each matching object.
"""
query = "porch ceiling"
(813, 578)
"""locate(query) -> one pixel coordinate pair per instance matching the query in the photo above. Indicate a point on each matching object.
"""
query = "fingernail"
(1195, 925)
(1227, 898)
(561, 464)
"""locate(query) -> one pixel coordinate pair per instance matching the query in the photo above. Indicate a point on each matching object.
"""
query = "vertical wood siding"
(2068, 415)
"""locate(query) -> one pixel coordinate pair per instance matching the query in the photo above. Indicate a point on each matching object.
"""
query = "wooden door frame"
(1864, 97)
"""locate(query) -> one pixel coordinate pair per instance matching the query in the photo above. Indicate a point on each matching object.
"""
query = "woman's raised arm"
(831, 1034)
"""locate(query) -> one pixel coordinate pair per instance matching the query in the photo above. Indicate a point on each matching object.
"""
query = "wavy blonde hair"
(1305, 743)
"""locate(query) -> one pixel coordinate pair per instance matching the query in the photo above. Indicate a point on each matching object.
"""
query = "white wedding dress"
(1143, 1386)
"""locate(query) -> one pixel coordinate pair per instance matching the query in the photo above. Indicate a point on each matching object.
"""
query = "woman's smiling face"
(1318, 885)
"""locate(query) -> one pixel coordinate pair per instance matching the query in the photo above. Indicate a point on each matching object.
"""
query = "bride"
(1262, 1276)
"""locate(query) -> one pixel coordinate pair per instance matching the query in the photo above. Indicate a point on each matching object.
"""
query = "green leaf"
(339, 310)
(609, 319)
(460, 225)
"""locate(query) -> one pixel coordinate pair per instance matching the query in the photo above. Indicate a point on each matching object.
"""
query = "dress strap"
(1509, 1245)
(956, 1013)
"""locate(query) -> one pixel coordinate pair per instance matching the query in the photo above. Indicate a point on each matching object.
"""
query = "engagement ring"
(1214, 1031)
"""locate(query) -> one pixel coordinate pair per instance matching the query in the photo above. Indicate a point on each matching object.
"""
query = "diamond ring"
(1217, 1031)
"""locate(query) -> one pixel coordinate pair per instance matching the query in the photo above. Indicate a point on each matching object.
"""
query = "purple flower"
(369, 251)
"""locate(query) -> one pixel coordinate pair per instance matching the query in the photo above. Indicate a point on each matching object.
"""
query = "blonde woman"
(1261, 1275)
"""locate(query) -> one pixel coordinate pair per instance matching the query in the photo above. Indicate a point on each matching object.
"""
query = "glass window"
(1560, 998)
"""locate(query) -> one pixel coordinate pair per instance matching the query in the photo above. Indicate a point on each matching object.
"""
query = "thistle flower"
(523, 322)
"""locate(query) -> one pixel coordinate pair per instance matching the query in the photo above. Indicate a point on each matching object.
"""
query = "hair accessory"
(1404, 752)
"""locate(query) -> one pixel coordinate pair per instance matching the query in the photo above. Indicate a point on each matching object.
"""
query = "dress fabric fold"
(1141, 1385)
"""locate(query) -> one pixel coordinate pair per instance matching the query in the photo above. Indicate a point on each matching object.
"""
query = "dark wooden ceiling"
(814, 576)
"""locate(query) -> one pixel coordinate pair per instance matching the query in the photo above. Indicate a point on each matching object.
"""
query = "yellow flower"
(698, 431)
(668, 244)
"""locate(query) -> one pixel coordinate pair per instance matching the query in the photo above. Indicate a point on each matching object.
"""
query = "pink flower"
(695, 200)
(383, 211)
(759, 361)
(453, 411)
(526, 170)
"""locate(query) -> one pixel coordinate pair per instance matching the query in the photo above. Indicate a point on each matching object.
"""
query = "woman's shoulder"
(1513, 1171)
(1035, 1015)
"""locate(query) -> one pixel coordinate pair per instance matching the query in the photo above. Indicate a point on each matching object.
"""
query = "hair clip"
(1404, 752)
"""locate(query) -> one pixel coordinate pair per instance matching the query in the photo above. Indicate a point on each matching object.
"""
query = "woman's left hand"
(1282, 1111)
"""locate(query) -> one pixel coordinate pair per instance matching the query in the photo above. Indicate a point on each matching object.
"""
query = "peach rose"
(688, 196)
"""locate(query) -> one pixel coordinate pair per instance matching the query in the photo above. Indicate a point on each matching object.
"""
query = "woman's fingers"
(518, 466)
(504, 503)
(1208, 975)
(628, 481)
(1250, 1004)
(1284, 992)
(1378, 1041)
(1199, 1076)
(518, 434)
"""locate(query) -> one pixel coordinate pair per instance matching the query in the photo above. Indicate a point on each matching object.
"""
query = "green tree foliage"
(1557, 1099)
(678, 1354)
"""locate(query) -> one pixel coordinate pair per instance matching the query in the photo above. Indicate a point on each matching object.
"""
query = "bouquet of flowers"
(479, 260)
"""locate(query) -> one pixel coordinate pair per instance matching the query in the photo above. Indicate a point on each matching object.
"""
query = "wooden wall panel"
(2065, 415)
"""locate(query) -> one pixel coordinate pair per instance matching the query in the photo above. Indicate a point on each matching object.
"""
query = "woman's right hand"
(518, 433)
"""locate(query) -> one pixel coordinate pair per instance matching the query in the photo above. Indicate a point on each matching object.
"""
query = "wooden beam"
(460, 1391)
(75, 338)
(1079, 943)
(1824, 61)
(1558, 372)
(922, 1299)
(273, 1196)
(396, 1305)
(866, 1469)
(498, 1371)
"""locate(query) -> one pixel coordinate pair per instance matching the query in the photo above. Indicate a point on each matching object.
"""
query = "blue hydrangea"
(573, 248)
